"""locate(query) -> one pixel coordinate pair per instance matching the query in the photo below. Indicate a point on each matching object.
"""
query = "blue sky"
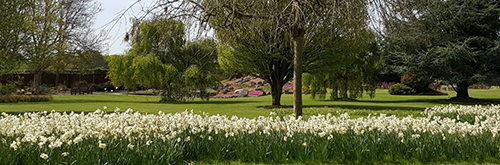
(106, 20)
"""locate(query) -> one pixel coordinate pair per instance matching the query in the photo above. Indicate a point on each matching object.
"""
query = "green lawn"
(244, 107)
(247, 107)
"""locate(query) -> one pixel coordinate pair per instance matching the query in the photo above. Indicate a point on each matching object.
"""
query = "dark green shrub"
(24, 98)
(81, 83)
(9, 88)
(107, 86)
(6, 89)
(416, 82)
(401, 89)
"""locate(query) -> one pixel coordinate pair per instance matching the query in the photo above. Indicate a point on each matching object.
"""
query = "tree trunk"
(57, 80)
(298, 48)
(276, 91)
(37, 78)
(462, 90)
(67, 81)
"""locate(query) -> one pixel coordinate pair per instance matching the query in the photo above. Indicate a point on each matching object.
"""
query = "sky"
(115, 28)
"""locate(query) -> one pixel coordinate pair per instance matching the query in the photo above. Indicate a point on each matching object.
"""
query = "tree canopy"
(161, 59)
(259, 51)
(13, 14)
(348, 70)
(454, 41)
(43, 33)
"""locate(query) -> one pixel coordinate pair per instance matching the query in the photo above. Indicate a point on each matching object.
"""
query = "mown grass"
(235, 150)
(249, 107)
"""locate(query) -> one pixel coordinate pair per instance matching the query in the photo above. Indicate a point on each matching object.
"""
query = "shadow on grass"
(379, 104)
(388, 101)
(367, 107)
(86, 101)
(213, 102)
(486, 101)
(360, 107)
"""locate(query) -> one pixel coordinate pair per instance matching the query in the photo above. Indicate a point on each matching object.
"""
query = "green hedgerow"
(24, 98)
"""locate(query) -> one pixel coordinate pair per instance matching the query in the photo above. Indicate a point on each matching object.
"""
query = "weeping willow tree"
(347, 70)
(162, 59)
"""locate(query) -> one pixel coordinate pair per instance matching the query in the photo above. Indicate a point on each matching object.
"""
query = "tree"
(259, 52)
(151, 73)
(162, 37)
(300, 20)
(62, 62)
(455, 41)
(203, 67)
(53, 25)
(12, 28)
(348, 70)
(88, 61)
(121, 72)
(161, 59)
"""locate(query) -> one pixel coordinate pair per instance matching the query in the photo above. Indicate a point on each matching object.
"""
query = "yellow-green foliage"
(409, 79)
(401, 89)
(416, 82)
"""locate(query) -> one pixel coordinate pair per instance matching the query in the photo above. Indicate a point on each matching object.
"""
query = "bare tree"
(58, 27)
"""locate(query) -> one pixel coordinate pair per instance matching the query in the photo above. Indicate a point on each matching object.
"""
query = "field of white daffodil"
(127, 137)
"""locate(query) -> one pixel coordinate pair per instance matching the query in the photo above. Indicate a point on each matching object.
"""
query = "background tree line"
(40, 36)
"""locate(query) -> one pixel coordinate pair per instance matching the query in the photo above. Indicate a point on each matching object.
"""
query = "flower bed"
(255, 93)
(24, 98)
(135, 138)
